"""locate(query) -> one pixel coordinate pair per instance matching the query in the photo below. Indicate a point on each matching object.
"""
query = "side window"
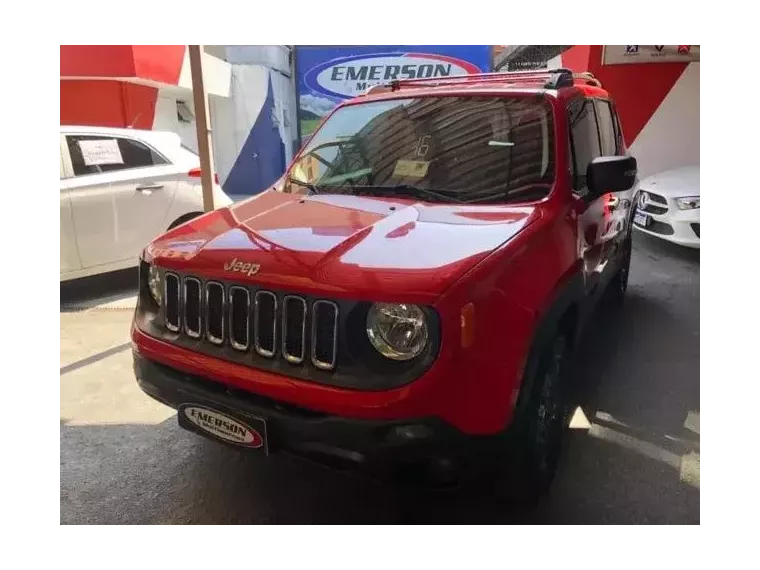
(607, 131)
(584, 139)
(618, 129)
(91, 154)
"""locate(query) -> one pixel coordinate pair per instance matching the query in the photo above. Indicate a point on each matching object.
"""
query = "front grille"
(214, 310)
(253, 320)
(695, 228)
(193, 307)
(660, 228)
(172, 301)
(239, 315)
(653, 208)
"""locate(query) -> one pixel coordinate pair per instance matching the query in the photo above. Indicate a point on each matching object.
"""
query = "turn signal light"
(468, 325)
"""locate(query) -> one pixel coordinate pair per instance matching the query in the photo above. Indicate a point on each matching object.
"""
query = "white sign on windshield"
(101, 151)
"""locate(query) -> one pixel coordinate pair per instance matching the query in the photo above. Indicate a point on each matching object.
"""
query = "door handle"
(149, 187)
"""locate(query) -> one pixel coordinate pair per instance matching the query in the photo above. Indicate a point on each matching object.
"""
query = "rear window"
(479, 149)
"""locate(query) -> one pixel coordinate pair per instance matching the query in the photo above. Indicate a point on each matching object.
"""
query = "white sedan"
(120, 188)
(668, 206)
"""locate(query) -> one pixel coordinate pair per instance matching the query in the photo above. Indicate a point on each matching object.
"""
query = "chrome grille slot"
(240, 309)
(171, 301)
(192, 305)
(265, 323)
(324, 334)
(215, 312)
(293, 329)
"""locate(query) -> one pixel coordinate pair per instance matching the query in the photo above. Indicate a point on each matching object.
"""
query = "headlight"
(397, 331)
(154, 284)
(688, 203)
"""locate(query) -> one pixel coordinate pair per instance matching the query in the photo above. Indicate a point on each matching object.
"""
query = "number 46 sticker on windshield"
(423, 146)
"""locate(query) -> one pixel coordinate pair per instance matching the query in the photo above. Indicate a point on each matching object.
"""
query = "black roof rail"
(549, 78)
(559, 78)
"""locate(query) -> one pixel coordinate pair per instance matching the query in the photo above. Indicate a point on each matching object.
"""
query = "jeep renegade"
(408, 294)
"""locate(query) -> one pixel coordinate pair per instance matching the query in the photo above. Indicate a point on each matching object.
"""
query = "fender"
(569, 297)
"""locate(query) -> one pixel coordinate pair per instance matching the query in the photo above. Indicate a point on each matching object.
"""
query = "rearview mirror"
(611, 174)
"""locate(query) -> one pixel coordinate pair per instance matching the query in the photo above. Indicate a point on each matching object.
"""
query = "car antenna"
(136, 119)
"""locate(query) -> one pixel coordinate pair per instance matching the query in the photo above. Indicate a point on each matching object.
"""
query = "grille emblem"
(643, 200)
(237, 266)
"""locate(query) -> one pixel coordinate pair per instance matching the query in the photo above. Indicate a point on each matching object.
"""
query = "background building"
(656, 90)
(264, 99)
(251, 101)
(327, 75)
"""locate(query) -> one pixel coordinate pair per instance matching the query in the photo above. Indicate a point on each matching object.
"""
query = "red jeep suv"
(407, 296)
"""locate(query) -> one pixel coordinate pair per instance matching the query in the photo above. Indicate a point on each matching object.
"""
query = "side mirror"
(611, 174)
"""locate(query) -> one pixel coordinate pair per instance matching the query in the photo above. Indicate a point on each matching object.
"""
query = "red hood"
(356, 246)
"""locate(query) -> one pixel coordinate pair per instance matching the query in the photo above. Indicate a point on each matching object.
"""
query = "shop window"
(184, 113)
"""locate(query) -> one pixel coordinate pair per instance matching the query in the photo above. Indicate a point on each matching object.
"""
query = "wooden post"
(202, 126)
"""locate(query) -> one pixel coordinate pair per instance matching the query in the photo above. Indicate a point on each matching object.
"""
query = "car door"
(591, 215)
(69, 254)
(123, 192)
(618, 204)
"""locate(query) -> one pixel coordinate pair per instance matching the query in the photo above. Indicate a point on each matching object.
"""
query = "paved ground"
(636, 460)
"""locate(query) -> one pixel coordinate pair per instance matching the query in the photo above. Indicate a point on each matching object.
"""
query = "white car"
(120, 188)
(668, 206)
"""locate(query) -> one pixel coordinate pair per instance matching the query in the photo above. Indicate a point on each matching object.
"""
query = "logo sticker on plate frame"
(221, 426)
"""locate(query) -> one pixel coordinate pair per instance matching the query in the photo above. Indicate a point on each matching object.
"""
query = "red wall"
(156, 63)
(159, 63)
(97, 61)
(107, 104)
(115, 103)
(638, 88)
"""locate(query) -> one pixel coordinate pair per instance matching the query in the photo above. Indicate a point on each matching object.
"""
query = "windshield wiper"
(408, 189)
(313, 188)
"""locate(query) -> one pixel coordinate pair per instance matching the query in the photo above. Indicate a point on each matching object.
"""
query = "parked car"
(120, 188)
(410, 293)
(668, 206)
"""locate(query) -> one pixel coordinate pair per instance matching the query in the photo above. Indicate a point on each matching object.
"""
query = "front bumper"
(384, 449)
(678, 226)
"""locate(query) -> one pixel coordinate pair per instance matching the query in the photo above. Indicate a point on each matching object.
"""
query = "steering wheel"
(330, 165)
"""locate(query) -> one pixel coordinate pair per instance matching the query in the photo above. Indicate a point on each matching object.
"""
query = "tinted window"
(606, 129)
(483, 149)
(618, 129)
(585, 139)
(92, 154)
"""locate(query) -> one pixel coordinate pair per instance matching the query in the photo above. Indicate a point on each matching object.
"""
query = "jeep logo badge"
(237, 266)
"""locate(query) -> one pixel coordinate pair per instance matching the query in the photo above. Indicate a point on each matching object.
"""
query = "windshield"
(464, 149)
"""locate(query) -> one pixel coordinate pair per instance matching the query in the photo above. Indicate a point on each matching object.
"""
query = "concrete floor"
(633, 457)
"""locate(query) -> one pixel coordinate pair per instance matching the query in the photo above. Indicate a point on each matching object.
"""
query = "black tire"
(534, 445)
(183, 219)
(618, 286)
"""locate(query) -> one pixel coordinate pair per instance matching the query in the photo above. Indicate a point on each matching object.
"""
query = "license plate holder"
(238, 430)
(642, 219)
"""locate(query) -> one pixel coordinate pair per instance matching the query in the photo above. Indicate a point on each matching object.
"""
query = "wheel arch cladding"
(562, 316)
